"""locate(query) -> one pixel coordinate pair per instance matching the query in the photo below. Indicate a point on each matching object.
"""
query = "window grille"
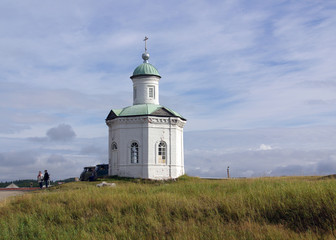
(134, 153)
(162, 151)
(151, 92)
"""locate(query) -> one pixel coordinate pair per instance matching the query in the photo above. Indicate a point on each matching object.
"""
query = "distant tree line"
(32, 182)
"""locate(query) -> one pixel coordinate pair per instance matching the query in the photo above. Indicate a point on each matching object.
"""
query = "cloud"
(62, 132)
(92, 150)
(264, 147)
(11, 127)
(301, 151)
(323, 165)
(18, 158)
(38, 139)
(56, 159)
(293, 170)
(280, 162)
(62, 159)
(259, 57)
(327, 166)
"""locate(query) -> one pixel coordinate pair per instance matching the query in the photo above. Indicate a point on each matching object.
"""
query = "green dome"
(145, 69)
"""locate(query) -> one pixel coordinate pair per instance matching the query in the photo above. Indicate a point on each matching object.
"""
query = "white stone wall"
(124, 131)
(141, 84)
(147, 132)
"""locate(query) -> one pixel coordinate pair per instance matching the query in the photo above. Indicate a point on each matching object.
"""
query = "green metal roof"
(143, 110)
(146, 69)
(140, 109)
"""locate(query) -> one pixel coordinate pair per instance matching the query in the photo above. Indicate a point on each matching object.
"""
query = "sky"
(256, 81)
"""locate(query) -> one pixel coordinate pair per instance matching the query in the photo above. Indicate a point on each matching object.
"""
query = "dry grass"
(190, 208)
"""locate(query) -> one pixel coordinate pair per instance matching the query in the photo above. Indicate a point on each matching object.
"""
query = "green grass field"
(189, 208)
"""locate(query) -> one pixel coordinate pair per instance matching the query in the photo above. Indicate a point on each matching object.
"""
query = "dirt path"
(6, 194)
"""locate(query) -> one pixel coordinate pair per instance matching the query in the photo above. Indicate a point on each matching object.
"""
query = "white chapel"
(146, 139)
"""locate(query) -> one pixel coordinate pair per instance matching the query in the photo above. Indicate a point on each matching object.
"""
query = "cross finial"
(146, 38)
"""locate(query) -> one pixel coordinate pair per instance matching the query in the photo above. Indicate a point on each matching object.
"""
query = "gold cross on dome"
(146, 38)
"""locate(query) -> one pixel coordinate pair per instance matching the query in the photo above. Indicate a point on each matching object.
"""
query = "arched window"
(114, 146)
(134, 153)
(162, 152)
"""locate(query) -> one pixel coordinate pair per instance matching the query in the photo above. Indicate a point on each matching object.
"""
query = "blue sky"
(255, 79)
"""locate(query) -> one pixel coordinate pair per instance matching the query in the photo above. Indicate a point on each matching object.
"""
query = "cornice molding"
(149, 120)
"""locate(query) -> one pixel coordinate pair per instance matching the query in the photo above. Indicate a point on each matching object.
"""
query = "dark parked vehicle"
(92, 173)
(87, 173)
(102, 170)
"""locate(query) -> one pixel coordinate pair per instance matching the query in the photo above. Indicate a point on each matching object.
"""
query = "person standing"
(40, 179)
(46, 178)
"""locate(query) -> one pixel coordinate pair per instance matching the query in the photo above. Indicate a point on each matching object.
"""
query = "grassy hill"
(189, 208)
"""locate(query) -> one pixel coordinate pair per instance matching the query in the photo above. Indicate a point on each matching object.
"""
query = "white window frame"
(151, 92)
(162, 152)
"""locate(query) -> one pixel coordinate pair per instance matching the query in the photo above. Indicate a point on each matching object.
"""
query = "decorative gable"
(111, 115)
(162, 112)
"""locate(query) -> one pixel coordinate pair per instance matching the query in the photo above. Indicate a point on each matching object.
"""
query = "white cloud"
(297, 151)
(264, 147)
